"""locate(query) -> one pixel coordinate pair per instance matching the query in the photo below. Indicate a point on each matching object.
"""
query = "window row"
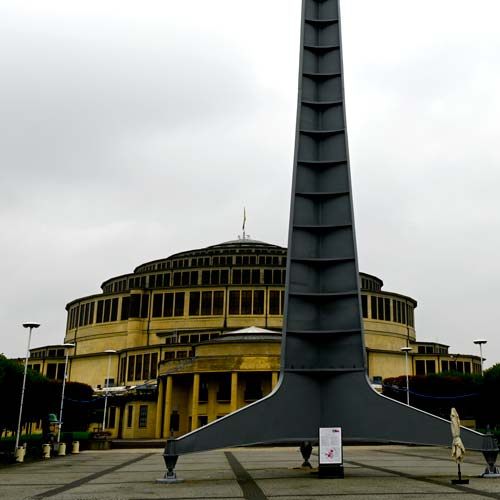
(204, 277)
(142, 418)
(179, 304)
(458, 366)
(138, 367)
(189, 338)
(386, 309)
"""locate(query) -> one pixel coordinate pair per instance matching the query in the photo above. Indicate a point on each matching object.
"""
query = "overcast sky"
(131, 130)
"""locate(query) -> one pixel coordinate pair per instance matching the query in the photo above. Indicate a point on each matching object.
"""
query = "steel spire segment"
(323, 379)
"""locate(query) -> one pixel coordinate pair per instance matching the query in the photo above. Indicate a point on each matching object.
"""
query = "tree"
(11, 380)
(42, 396)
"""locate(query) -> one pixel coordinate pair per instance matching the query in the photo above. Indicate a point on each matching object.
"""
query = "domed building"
(204, 327)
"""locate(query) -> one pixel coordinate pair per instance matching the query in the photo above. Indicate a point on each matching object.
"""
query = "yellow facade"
(171, 321)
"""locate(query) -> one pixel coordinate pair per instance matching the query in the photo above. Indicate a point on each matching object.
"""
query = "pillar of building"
(168, 406)
(274, 379)
(160, 403)
(194, 403)
(234, 392)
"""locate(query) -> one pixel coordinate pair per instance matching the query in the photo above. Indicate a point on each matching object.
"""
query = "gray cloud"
(131, 132)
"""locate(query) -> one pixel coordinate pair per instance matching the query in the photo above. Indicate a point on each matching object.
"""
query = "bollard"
(19, 455)
(61, 450)
(76, 448)
(46, 450)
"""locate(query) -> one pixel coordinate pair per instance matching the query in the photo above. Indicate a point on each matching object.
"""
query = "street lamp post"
(109, 352)
(406, 350)
(31, 325)
(480, 343)
(67, 346)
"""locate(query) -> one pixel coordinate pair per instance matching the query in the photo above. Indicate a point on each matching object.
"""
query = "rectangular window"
(268, 276)
(131, 368)
(143, 416)
(374, 307)
(114, 310)
(205, 277)
(185, 278)
(130, 415)
(135, 305)
(277, 276)
(100, 308)
(215, 277)
(246, 302)
(125, 308)
(380, 303)
(177, 279)
(145, 306)
(420, 367)
(203, 391)
(430, 366)
(444, 366)
(206, 303)
(224, 277)
(236, 276)
(234, 302)
(154, 365)
(364, 305)
(218, 303)
(274, 302)
(111, 417)
(387, 309)
(138, 367)
(157, 305)
(245, 276)
(395, 311)
(193, 279)
(194, 303)
(168, 305)
(255, 276)
(51, 371)
(145, 367)
(107, 311)
(258, 302)
(123, 367)
(224, 392)
(179, 304)
(60, 371)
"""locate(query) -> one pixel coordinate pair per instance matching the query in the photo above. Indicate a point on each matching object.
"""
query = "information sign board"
(330, 445)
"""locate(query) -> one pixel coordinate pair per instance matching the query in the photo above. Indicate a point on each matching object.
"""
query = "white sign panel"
(330, 445)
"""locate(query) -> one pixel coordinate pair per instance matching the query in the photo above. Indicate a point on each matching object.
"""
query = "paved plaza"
(371, 472)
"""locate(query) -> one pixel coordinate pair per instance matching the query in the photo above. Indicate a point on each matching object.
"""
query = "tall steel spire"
(323, 381)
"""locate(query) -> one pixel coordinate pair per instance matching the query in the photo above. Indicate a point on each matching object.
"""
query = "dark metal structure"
(323, 381)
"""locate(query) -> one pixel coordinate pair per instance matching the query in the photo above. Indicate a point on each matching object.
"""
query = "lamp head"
(68, 345)
(110, 351)
(480, 341)
(406, 349)
(31, 324)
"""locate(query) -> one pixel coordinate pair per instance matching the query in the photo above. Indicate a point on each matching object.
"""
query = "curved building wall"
(165, 306)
